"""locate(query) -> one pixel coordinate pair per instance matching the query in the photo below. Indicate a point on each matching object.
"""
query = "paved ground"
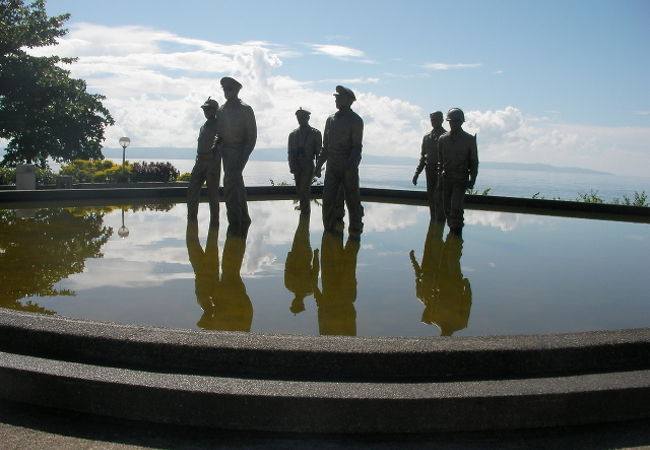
(26, 427)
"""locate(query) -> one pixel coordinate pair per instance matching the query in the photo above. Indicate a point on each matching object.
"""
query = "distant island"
(280, 154)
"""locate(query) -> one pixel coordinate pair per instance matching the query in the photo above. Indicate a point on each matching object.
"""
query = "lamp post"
(124, 142)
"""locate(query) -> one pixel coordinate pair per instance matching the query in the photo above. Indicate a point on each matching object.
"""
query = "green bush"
(639, 199)
(45, 176)
(184, 177)
(100, 171)
(7, 175)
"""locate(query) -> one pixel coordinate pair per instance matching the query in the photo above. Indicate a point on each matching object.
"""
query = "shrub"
(45, 176)
(7, 175)
(154, 171)
(100, 171)
(184, 177)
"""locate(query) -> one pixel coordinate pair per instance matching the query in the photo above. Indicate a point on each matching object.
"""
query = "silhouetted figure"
(304, 147)
(223, 298)
(429, 163)
(342, 142)
(439, 282)
(336, 312)
(207, 167)
(458, 155)
(301, 267)
(237, 135)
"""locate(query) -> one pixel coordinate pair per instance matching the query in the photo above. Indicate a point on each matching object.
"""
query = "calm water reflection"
(512, 274)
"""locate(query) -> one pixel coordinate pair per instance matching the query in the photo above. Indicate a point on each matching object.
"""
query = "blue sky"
(556, 82)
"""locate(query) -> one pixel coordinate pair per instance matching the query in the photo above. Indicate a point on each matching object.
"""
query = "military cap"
(228, 81)
(435, 113)
(301, 112)
(342, 90)
(210, 103)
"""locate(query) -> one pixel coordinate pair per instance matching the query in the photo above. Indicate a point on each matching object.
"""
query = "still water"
(512, 274)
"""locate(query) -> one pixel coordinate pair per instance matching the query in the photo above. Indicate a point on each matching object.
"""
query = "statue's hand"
(415, 179)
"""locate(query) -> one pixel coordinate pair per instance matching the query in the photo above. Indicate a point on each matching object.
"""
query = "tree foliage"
(43, 111)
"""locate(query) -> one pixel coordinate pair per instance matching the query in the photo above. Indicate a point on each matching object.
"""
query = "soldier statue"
(342, 152)
(304, 147)
(429, 163)
(237, 134)
(458, 156)
(207, 167)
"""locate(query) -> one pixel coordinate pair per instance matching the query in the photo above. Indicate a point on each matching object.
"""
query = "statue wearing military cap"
(207, 168)
(458, 156)
(304, 147)
(237, 130)
(342, 142)
(429, 160)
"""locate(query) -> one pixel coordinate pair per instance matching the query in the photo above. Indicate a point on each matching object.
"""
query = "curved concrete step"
(287, 357)
(324, 407)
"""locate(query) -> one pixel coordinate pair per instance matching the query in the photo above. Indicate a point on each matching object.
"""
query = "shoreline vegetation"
(105, 171)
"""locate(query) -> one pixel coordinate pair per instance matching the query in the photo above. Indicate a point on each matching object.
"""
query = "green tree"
(43, 111)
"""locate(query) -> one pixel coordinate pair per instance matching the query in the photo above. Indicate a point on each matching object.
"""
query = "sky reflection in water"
(513, 273)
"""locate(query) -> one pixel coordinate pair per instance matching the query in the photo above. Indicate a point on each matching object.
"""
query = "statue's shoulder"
(356, 116)
(245, 106)
(444, 136)
(315, 130)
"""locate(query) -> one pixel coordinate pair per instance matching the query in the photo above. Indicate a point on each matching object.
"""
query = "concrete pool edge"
(605, 211)
(81, 380)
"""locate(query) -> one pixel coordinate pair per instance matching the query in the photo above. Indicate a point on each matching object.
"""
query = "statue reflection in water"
(301, 267)
(223, 298)
(336, 312)
(439, 282)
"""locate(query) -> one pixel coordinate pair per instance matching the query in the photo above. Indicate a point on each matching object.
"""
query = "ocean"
(502, 182)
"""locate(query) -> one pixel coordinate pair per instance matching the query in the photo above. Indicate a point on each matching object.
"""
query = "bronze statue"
(439, 282)
(429, 159)
(223, 298)
(237, 134)
(304, 147)
(336, 312)
(458, 156)
(301, 267)
(342, 142)
(207, 167)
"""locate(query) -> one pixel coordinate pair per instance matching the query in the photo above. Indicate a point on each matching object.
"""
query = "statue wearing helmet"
(458, 156)
(429, 163)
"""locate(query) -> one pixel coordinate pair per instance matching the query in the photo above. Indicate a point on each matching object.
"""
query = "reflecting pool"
(512, 273)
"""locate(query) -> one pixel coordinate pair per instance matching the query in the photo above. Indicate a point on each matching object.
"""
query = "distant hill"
(280, 154)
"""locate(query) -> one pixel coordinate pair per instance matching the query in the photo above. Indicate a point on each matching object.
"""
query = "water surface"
(512, 274)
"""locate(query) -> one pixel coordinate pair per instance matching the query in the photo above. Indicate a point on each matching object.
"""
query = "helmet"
(455, 114)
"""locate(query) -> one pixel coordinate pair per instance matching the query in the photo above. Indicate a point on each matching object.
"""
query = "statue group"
(228, 136)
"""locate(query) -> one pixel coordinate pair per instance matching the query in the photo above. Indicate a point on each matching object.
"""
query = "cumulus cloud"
(154, 82)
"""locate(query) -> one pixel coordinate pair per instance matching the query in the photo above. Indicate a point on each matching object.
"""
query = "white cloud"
(446, 66)
(336, 51)
(154, 82)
